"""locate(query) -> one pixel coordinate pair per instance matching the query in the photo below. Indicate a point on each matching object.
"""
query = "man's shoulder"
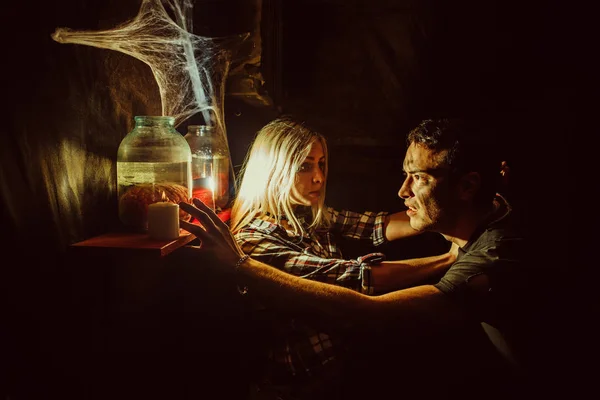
(508, 228)
(499, 242)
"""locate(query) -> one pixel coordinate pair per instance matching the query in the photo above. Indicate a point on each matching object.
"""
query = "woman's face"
(310, 177)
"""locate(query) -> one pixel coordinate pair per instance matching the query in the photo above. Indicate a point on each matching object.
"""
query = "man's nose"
(405, 191)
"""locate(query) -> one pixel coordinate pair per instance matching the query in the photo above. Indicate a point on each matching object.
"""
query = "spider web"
(190, 70)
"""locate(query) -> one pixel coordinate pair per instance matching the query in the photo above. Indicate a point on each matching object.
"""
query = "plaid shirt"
(298, 350)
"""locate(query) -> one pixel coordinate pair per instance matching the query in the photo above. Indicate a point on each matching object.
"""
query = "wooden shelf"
(136, 242)
(141, 243)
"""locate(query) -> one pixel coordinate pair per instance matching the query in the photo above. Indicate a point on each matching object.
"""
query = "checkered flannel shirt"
(299, 350)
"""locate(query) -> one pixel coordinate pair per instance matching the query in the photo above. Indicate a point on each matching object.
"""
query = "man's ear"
(469, 185)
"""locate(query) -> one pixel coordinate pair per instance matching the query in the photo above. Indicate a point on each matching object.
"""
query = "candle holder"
(210, 165)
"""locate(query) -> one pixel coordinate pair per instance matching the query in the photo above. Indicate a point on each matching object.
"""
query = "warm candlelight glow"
(211, 186)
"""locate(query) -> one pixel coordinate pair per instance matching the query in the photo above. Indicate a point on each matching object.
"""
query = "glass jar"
(210, 165)
(153, 164)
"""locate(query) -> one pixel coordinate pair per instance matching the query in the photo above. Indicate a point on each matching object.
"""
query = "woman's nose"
(318, 176)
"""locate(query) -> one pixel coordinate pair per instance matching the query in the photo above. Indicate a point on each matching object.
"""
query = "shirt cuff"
(365, 265)
(378, 234)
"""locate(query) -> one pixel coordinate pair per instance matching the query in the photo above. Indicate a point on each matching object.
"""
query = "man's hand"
(214, 234)
(453, 251)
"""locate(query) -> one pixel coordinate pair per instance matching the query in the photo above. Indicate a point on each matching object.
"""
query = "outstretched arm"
(421, 304)
(377, 226)
(366, 274)
(393, 275)
(285, 256)
(413, 306)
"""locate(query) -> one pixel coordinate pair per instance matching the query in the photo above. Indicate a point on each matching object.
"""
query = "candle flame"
(163, 197)
(211, 186)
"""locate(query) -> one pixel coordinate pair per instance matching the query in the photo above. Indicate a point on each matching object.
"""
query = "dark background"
(365, 72)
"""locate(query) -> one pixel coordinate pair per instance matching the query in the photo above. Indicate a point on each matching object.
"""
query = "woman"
(279, 217)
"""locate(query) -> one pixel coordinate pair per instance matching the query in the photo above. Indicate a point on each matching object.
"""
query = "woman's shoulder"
(265, 234)
(259, 227)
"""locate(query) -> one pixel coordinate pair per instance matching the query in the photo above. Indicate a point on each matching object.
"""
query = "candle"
(163, 220)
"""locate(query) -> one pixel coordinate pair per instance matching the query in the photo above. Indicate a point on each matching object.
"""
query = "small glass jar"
(153, 164)
(210, 165)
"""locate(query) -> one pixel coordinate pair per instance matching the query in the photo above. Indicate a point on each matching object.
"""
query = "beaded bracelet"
(243, 290)
(240, 261)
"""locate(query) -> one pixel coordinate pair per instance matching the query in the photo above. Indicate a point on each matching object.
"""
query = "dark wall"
(363, 71)
(372, 70)
(86, 325)
(367, 72)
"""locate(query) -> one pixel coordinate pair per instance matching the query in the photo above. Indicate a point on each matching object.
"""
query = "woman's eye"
(305, 167)
(322, 165)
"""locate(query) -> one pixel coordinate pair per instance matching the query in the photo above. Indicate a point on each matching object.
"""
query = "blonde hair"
(268, 176)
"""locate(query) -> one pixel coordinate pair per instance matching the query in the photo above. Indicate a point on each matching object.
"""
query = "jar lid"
(154, 119)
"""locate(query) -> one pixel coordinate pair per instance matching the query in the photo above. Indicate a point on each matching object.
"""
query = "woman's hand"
(214, 234)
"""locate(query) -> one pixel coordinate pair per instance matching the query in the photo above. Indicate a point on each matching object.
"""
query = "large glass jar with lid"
(210, 165)
(153, 164)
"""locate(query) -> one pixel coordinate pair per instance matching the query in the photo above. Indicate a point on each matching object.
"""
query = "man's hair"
(268, 175)
(466, 146)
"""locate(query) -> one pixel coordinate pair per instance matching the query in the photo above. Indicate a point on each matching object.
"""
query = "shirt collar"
(503, 209)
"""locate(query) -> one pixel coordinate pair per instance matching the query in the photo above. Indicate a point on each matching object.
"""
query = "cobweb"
(190, 70)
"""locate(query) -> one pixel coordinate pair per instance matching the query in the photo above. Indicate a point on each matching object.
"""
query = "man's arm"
(393, 275)
(417, 307)
(414, 306)
(357, 274)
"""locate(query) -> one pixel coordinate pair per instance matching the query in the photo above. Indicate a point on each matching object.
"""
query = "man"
(450, 188)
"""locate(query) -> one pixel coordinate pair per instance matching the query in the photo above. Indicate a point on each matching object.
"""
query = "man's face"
(425, 190)
(310, 177)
